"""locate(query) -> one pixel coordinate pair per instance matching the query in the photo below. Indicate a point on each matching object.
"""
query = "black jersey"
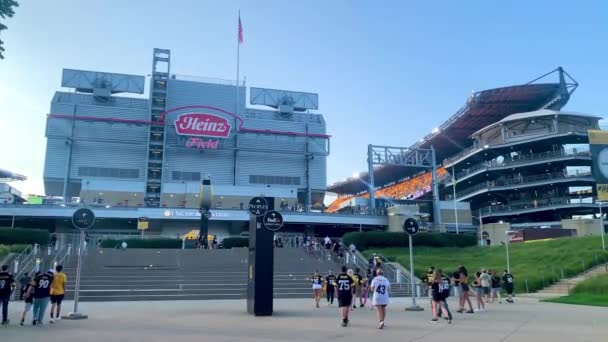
(345, 285)
(7, 282)
(444, 287)
(495, 281)
(42, 285)
(330, 280)
(317, 279)
(507, 279)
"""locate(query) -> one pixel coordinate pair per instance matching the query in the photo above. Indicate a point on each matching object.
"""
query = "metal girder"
(400, 156)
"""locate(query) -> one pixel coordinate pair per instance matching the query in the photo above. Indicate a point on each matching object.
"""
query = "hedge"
(161, 243)
(234, 242)
(15, 236)
(368, 240)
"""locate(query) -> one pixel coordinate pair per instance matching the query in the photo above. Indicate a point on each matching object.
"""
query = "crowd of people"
(36, 293)
(353, 290)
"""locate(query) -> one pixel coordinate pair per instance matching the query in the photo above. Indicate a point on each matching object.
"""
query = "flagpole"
(238, 57)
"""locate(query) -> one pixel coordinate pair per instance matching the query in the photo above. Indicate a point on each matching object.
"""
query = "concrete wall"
(583, 227)
(496, 232)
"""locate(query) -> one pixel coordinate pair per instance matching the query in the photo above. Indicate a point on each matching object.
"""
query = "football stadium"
(509, 158)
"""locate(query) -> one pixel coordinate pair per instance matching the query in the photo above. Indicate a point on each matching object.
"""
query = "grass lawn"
(540, 263)
(581, 299)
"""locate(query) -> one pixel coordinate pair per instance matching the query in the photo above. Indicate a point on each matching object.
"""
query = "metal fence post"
(527, 290)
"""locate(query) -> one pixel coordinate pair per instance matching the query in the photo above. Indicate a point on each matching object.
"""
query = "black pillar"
(261, 266)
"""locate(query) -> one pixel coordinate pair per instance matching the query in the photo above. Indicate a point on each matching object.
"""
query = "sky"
(387, 72)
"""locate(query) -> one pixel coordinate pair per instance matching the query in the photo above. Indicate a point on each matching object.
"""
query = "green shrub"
(234, 242)
(368, 240)
(13, 236)
(160, 243)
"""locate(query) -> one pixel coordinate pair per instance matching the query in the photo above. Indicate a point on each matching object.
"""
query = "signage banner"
(202, 125)
(598, 144)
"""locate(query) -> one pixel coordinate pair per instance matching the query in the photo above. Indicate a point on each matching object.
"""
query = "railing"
(520, 181)
(203, 79)
(538, 204)
(493, 164)
(474, 149)
(363, 212)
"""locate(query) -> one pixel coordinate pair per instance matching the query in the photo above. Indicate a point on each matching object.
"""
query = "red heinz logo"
(203, 125)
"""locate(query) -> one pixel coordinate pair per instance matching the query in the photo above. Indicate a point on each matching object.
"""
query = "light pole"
(454, 198)
(507, 238)
(602, 225)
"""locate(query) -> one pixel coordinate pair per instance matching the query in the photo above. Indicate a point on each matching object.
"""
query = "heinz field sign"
(202, 125)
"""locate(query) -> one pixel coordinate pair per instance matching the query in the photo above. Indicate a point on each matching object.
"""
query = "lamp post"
(602, 224)
(454, 198)
(507, 238)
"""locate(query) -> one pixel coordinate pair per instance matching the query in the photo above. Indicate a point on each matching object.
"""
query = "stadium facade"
(510, 154)
(127, 151)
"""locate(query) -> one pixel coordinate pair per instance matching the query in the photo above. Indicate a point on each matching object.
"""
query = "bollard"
(49, 250)
(527, 290)
(55, 264)
(398, 277)
(16, 267)
(347, 258)
(37, 267)
(69, 250)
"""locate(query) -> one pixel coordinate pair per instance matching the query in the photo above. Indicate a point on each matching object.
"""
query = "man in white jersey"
(380, 286)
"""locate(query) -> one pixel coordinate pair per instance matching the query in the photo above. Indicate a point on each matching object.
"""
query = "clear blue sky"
(385, 74)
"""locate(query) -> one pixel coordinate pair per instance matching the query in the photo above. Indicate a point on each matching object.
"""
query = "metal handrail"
(474, 148)
(520, 160)
(519, 181)
(540, 203)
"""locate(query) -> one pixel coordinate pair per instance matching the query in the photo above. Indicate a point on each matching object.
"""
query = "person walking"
(330, 287)
(359, 284)
(7, 285)
(495, 287)
(486, 280)
(507, 280)
(380, 287)
(463, 279)
(41, 291)
(440, 290)
(57, 293)
(24, 281)
(478, 292)
(345, 294)
(317, 286)
(29, 301)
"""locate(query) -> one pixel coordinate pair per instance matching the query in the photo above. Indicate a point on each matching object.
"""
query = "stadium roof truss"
(419, 158)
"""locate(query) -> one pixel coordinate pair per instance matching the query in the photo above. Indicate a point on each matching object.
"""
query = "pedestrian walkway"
(297, 320)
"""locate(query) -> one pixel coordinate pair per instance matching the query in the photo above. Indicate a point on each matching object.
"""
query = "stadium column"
(436, 208)
(370, 171)
(260, 278)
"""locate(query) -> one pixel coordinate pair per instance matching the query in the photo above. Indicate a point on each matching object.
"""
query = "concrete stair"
(144, 274)
(563, 287)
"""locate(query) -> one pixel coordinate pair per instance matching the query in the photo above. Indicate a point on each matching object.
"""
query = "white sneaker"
(57, 319)
(51, 321)
(381, 325)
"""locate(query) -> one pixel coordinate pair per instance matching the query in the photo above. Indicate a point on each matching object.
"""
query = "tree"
(6, 11)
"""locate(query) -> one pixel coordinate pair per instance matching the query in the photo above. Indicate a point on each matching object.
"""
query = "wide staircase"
(166, 274)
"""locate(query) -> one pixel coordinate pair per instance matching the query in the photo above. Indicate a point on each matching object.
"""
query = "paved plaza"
(297, 320)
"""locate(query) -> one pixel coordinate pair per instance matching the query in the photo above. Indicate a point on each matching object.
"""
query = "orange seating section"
(399, 190)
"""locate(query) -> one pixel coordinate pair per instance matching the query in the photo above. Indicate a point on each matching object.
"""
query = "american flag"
(240, 31)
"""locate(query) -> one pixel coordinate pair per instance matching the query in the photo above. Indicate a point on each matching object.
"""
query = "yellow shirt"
(58, 286)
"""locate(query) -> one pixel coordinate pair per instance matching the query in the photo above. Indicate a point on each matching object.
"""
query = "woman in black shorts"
(464, 287)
